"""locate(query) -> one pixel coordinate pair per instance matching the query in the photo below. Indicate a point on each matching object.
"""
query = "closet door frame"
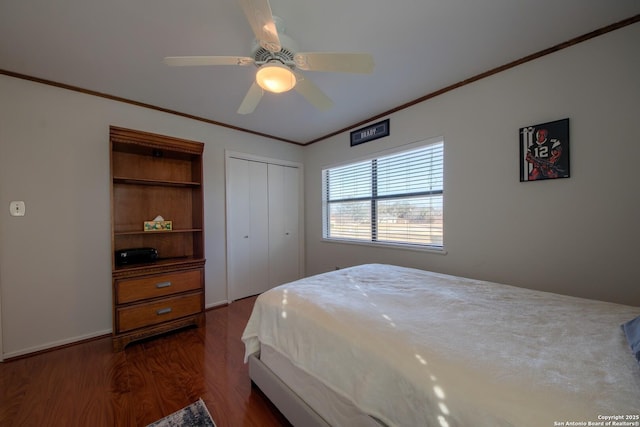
(268, 160)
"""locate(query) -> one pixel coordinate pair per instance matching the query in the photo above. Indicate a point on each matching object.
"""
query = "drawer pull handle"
(163, 311)
(163, 285)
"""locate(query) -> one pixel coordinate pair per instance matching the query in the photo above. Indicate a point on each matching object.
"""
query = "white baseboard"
(216, 304)
(72, 340)
(54, 344)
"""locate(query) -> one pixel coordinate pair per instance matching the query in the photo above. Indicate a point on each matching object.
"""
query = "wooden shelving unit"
(156, 175)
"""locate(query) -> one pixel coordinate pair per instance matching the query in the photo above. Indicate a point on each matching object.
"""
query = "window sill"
(434, 250)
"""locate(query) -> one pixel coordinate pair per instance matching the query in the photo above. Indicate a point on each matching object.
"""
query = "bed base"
(289, 403)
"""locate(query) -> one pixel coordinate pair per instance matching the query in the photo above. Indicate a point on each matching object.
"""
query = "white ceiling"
(116, 47)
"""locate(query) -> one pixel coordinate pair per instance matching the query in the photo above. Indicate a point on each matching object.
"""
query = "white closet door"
(284, 250)
(247, 228)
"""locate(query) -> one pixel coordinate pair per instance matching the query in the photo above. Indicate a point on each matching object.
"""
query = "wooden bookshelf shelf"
(155, 175)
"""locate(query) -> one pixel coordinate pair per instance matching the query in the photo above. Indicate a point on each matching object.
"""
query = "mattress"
(334, 409)
(411, 347)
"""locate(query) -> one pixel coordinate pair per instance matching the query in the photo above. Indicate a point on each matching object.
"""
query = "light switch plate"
(16, 208)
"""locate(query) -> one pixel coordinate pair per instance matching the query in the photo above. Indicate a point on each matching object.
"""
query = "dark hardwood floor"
(89, 385)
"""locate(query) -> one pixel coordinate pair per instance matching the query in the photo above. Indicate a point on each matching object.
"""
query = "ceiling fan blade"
(334, 61)
(251, 99)
(258, 13)
(188, 61)
(312, 93)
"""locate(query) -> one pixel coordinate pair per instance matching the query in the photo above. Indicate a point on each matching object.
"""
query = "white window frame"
(373, 199)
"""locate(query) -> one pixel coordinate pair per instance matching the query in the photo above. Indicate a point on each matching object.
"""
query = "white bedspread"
(415, 348)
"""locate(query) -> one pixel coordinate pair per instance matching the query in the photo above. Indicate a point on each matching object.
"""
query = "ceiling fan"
(278, 61)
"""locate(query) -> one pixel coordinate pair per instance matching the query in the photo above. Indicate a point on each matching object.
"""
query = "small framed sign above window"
(369, 133)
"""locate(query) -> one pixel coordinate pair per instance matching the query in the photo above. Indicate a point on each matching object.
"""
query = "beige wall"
(578, 236)
(55, 263)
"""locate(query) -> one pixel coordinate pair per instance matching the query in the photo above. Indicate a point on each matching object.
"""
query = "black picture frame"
(369, 133)
(544, 151)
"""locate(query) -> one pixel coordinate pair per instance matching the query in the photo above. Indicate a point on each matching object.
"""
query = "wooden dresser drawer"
(139, 315)
(130, 290)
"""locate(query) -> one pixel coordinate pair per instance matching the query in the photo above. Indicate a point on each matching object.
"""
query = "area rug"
(194, 415)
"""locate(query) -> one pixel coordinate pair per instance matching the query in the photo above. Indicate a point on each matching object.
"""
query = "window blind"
(395, 199)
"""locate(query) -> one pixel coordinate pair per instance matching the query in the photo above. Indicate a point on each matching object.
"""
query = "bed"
(385, 345)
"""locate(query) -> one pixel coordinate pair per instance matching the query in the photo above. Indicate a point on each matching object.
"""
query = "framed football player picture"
(544, 151)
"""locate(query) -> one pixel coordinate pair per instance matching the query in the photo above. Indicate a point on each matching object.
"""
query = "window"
(392, 199)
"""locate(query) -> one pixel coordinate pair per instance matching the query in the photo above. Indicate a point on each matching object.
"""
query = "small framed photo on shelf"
(544, 151)
(158, 226)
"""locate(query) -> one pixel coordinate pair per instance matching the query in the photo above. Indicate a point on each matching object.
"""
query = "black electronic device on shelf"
(136, 256)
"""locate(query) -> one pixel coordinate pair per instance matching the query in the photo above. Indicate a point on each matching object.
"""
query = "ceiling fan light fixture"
(275, 77)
